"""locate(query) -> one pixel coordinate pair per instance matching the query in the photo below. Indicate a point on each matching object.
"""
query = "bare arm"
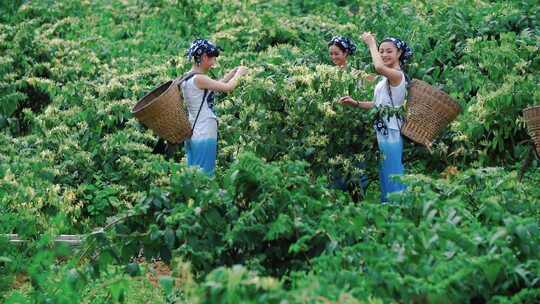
(205, 82)
(347, 100)
(364, 104)
(393, 75)
(229, 75)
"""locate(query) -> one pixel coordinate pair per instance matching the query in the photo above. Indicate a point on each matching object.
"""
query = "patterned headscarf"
(344, 43)
(406, 51)
(202, 46)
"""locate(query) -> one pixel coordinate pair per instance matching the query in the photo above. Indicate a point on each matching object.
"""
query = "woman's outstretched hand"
(347, 100)
(241, 71)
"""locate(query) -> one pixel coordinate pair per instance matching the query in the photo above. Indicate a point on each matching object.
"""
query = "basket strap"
(187, 77)
(391, 99)
(200, 108)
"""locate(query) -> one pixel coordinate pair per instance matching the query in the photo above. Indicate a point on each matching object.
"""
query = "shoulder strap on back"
(187, 77)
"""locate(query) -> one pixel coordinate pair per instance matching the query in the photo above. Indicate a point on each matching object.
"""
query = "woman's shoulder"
(202, 78)
(187, 77)
(199, 79)
(402, 83)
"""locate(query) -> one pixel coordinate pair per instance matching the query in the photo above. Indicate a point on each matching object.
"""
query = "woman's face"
(389, 54)
(208, 62)
(338, 56)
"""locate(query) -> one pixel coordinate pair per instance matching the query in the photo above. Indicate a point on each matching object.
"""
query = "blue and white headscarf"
(344, 43)
(202, 46)
(406, 51)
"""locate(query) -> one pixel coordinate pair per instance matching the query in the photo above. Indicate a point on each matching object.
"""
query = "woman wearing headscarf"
(340, 49)
(389, 60)
(198, 91)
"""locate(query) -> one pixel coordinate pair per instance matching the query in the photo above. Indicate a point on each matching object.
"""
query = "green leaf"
(4, 259)
(491, 269)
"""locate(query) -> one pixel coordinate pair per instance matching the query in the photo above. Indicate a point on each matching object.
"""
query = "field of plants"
(270, 227)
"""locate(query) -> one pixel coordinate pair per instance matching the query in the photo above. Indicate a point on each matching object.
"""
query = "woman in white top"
(389, 60)
(198, 91)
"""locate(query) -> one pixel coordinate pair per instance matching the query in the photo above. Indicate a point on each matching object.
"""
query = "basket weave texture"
(532, 120)
(429, 111)
(163, 111)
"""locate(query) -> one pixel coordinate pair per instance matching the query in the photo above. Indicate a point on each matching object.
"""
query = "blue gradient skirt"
(202, 153)
(391, 147)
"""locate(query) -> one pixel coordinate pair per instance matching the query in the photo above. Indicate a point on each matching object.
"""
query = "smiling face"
(389, 54)
(338, 56)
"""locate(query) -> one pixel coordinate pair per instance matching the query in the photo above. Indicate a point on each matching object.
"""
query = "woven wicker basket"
(532, 119)
(429, 111)
(162, 110)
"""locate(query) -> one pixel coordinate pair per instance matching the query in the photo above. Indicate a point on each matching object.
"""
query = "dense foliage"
(270, 227)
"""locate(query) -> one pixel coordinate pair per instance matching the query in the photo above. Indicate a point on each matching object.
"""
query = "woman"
(198, 91)
(339, 49)
(389, 60)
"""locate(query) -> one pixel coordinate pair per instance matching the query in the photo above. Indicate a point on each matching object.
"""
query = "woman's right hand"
(241, 70)
(347, 100)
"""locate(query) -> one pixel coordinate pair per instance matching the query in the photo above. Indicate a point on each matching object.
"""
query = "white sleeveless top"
(382, 98)
(206, 126)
